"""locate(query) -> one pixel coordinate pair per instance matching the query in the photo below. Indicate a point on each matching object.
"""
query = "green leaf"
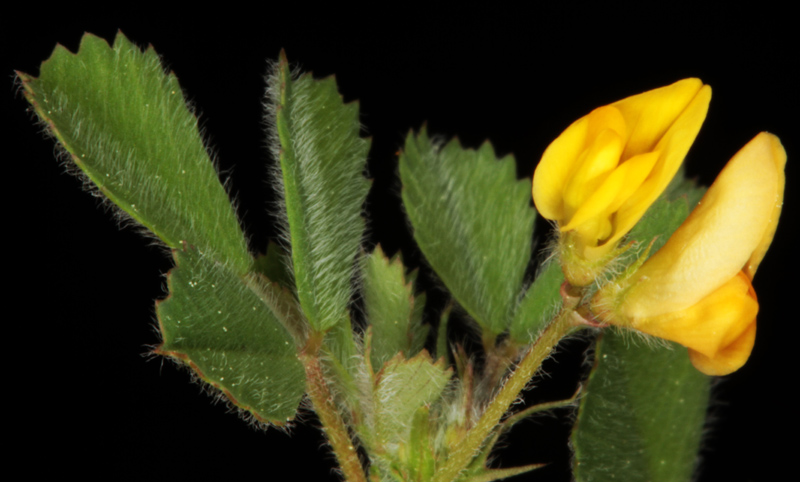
(402, 387)
(322, 160)
(392, 311)
(667, 213)
(681, 186)
(660, 221)
(125, 124)
(417, 330)
(275, 265)
(228, 329)
(540, 304)
(399, 431)
(421, 460)
(642, 416)
(473, 221)
(442, 344)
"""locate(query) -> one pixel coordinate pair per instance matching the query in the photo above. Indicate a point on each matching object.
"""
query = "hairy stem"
(332, 423)
(462, 456)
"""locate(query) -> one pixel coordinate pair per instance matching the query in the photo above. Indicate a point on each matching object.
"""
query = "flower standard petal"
(717, 240)
(774, 150)
(673, 146)
(650, 115)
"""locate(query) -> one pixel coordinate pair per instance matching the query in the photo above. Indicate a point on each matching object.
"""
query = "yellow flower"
(696, 290)
(598, 178)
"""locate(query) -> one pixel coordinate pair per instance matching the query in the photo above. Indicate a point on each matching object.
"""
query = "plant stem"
(332, 424)
(462, 456)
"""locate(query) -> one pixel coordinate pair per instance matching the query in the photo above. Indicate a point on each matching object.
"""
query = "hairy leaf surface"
(322, 160)
(540, 304)
(473, 221)
(228, 329)
(393, 312)
(642, 416)
(124, 122)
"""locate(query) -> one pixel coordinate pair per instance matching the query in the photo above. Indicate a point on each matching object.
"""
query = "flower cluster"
(696, 290)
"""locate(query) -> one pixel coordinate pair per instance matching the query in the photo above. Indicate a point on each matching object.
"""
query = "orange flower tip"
(729, 359)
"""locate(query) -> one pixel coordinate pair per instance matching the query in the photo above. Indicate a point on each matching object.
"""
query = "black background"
(80, 315)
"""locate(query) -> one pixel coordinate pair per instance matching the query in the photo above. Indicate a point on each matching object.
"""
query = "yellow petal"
(728, 360)
(713, 324)
(600, 158)
(649, 115)
(774, 150)
(606, 118)
(717, 240)
(577, 184)
(673, 146)
(558, 163)
(615, 189)
(555, 168)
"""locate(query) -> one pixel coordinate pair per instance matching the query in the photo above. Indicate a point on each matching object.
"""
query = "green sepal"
(473, 221)
(228, 329)
(392, 310)
(124, 122)
(322, 159)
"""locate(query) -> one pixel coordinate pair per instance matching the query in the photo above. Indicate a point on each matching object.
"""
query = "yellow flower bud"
(598, 178)
(696, 290)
